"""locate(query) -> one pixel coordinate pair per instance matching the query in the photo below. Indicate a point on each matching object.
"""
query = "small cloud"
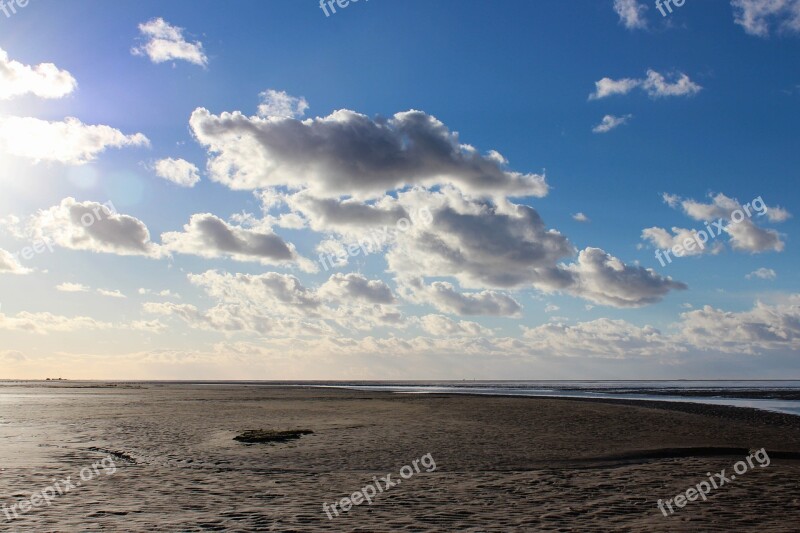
(44, 80)
(580, 217)
(631, 14)
(178, 171)
(280, 104)
(757, 16)
(110, 294)
(166, 42)
(656, 85)
(762, 273)
(551, 308)
(610, 122)
(671, 200)
(72, 287)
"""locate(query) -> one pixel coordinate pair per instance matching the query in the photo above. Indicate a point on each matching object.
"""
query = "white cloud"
(72, 287)
(762, 273)
(737, 219)
(631, 13)
(9, 264)
(344, 287)
(93, 227)
(580, 217)
(507, 246)
(166, 43)
(79, 287)
(603, 337)
(44, 80)
(111, 293)
(70, 142)
(603, 279)
(280, 104)
(178, 171)
(441, 326)
(280, 304)
(656, 85)
(207, 235)
(44, 323)
(758, 16)
(608, 87)
(682, 237)
(610, 122)
(765, 327)
(166, 293)
(447, 299)
(347, 153)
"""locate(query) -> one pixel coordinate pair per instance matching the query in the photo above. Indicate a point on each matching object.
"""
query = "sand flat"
(503, 464)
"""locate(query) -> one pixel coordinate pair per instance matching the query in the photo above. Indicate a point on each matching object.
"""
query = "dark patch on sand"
(267, 436)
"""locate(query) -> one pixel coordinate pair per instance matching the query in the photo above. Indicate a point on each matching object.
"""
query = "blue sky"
(709, 115)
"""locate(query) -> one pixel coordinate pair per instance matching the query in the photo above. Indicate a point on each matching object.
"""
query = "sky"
(399, 190)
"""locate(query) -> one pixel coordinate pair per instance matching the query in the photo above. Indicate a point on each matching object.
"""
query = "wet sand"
(502, 464)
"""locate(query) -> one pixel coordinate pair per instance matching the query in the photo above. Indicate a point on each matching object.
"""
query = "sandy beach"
(501, 464)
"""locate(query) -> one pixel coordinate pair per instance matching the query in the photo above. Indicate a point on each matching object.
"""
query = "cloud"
(661, 238)
(78, 287)
(354, 286)
(603, 337)
(610, 122)
(758, 16)
(9, 264)
(631, 13)
(608, 87)
(765, 327)
(603, 279)
(347, 153)
(44, 80)
(70, 141)
(178, 171)
(93, 227)
(166, 42)
(441, 326)
(72, 287)
(737, 220)
(580, 217)
(166, 293)
(280, 104)
(277, 303)
(762, 273)
(479, 243)
(444, 297)
(44, 323)
(209, 236)
(111, 294)
(655, 85)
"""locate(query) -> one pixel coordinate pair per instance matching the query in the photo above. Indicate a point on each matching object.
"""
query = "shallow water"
(705, 392)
